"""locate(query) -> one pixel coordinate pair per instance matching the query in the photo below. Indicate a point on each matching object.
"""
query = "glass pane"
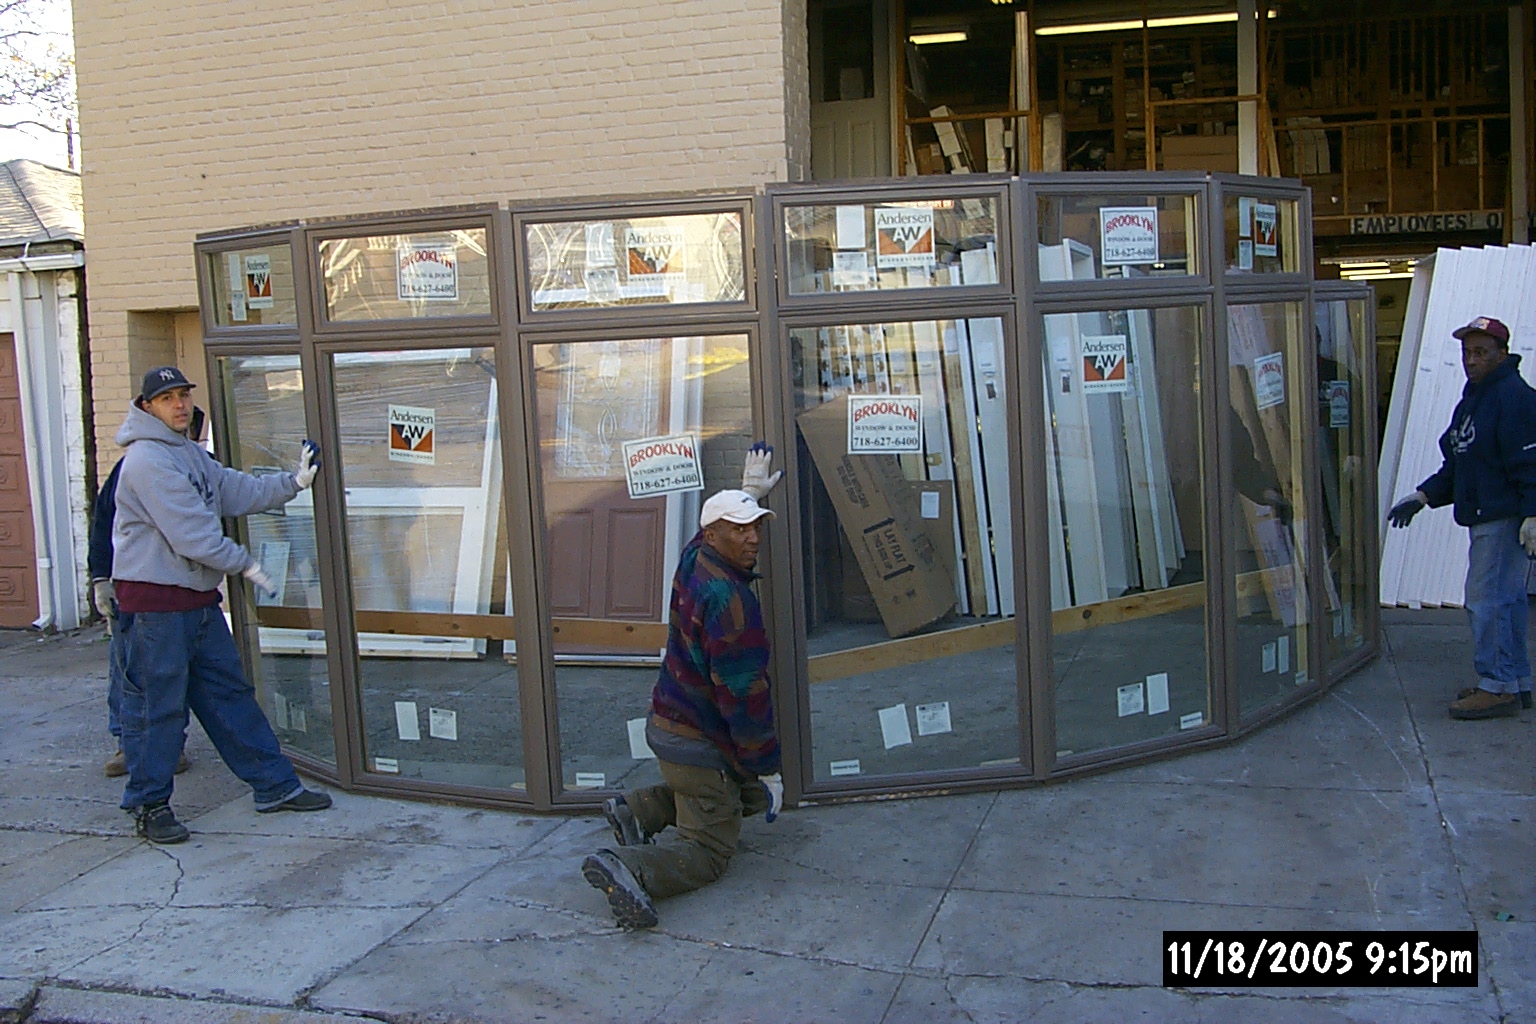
(1262, 235)
(252, 287)
(908, 546)
(1126, 525)
(1264, 348)
(919, 244)
(642, 261)
(1090, 237)
(264, 403)
(421, 461)
(632, 435)
(1349, 543)
(404, 277)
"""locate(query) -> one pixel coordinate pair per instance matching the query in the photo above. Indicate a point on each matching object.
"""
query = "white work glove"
(755, 478)
(774, 784)
(309, 464)
(1528, 536)
(259, 578)
(104, 597)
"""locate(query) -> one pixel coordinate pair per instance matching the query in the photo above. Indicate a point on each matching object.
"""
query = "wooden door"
(605, 549)
(850, 90)
(18, 560)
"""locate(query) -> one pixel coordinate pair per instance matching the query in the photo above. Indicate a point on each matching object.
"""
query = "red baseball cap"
(1484, 325)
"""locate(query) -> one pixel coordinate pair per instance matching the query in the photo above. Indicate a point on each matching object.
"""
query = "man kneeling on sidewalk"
(711, 725)
(169, 556)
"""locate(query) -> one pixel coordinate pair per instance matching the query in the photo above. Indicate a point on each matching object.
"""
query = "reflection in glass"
(696, 257)
(618, 513)
(252, 287)
(403, 277)
(1343, 457)
(264, 426)
(1269, 507)
(919, 244)
(1262, 235)
(421, 463)
(1125, 524)
(1120, 235)
(907, 545)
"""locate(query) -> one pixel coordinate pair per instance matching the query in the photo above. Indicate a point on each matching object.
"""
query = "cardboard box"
(880, 513)
(1199, 152)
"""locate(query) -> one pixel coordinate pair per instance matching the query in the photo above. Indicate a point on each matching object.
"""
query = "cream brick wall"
(210, 114)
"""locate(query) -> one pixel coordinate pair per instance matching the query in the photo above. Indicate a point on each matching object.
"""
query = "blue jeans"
(115, 679)
(174, 662)
(1498, 607)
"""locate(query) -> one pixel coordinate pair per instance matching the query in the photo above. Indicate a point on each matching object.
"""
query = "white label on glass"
(1269, 657)
(1349, 619)
(1269, 380)
(258, 281)
(933, 719)
(662, 465)
(236, 287)
(850, 227)
(884, 424)
(1337, 394)
(442, 724)
(1245, 218)
(639, 748)
(1283, 654)
(894, 729)
(1265, 238)
(1245, 254)
(1157, 693)
(846, 767)
(904, 237)
(1338, 623)
(591, 780)
(279, 710)
(599, 245)
(274, 559)
(1127, 235)
(655, 251)
(297, 720)
(427, 272)
(1104, 364)
(407, 726)
(411, 434)
(930, 504)
(850, 269)
(386, 764)
(1131, 699)
(1193, 720)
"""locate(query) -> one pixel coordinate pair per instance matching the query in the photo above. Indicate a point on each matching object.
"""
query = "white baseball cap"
(732, 506)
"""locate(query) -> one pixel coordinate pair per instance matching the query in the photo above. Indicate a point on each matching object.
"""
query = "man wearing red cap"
(1489, 475)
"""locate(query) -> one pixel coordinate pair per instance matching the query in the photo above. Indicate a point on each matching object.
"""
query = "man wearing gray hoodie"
(169, 556)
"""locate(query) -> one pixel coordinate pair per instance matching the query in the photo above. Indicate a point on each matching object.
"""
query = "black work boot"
(627, 898)
(157, 823)
(303, 800)
(626, 830)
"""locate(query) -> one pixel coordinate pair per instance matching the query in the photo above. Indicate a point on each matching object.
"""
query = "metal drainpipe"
(40, 533)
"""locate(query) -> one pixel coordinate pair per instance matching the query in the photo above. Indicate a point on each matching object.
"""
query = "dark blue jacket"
(99, 557)
(1490, 450)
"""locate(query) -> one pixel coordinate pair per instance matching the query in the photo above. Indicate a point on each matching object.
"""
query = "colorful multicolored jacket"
(713, 683)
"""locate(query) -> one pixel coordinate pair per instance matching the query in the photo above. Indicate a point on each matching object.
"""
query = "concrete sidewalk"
(1369, 809)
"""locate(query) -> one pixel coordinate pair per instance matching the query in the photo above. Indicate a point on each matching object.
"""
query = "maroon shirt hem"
(135, 596)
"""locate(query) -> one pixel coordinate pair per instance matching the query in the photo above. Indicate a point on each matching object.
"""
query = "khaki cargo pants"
(706, 807)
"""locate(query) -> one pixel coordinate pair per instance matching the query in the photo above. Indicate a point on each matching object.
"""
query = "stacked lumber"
(1425, 565)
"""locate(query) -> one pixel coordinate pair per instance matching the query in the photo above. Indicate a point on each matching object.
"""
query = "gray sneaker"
(626, 830)
(627, 898)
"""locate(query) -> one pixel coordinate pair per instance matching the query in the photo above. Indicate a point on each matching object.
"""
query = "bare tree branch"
(37, 66)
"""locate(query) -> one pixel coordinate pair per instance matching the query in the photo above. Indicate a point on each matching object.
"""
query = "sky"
(34, 143)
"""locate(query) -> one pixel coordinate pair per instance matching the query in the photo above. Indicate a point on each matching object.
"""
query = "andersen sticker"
(903, 237)
(662, 465)
(411, 434)
(1127, 235)
(1104, 364)
(258, 281)
(885, 424)
(426, 272)
(655, 251)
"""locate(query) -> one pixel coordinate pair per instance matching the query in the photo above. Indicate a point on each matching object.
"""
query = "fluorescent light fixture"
(1123, 26)
(1097, 26)
(925, 38)
(1191, 19)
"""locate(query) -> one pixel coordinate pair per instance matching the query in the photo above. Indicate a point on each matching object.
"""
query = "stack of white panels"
(1425, 565)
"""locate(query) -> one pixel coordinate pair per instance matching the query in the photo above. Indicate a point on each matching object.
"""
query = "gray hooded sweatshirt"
(171, 499)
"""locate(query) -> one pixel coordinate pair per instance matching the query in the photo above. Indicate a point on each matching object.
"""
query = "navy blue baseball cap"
(162, 378)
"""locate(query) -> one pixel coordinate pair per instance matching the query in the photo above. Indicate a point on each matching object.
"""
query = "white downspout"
(40, 532)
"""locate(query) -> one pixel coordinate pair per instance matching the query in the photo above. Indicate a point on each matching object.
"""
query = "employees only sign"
(426, 272)
(885, 424)
(662, 465)
(1127, 235)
